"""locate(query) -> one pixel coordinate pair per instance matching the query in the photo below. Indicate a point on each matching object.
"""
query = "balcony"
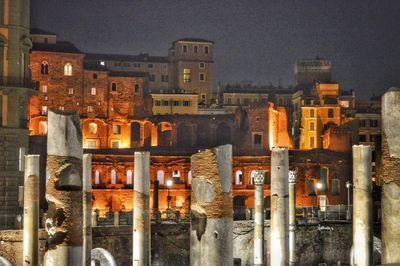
(19, 82)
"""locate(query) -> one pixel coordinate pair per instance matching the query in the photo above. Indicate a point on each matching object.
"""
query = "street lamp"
(348, 185)
(319, 185)
(169, 184)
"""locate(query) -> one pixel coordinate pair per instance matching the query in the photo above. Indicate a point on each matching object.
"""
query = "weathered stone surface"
(390, 120)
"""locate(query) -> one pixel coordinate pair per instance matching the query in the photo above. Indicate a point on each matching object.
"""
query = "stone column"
(94, 218)
(87, 208)
(279, 205)
(292, 217)
(391, 177)
(211, 221)
(116, 218)
(64, 190)
(362, 205)
(31, 211)
(141, 210)
(259, 218)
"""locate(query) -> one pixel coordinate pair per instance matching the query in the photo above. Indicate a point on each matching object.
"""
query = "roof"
(130, 58)
(193, 40)
(59, 47)
(128, 74)
(37, 31)
(94, 66)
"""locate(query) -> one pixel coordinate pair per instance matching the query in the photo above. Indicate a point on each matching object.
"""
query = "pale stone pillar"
(292, 217)
(64, 190)
(279, 205)
(391, 177)
(141, 210)
(31, 211)
(116, 218)
(362, 205)
(211, 221)
(87, 208)
(94, 218)
(259, 218)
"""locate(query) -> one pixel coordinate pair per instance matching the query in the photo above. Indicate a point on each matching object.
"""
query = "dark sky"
(254, 40)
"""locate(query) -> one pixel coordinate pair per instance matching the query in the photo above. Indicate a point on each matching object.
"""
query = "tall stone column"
(362, 205)
(292, 217)
(64, 190)
(141, 210)
(31, 211)
(391, 177)
(279, 205)
(87, 208)
(211, 221)
(259, 218)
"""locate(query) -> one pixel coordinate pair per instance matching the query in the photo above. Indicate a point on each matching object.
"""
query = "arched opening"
(42, 127)
(223, 134)
(102, 257)
(184, 136)
(129, 177)
(68, 69)
(202, 135)
(238, 177)
(164, 134)
(252, 174)
(44, 68)
(160, 176)
(135, 134)
(97, 177)
(114, 177)
(92, 128)
(239, 208)
(189, 178)
(176, 176)
(147, 134)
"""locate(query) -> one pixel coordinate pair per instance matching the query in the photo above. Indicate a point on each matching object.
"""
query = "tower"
(15, 89)
(308, 71)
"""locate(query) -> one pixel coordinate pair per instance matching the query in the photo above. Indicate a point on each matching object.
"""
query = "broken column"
(259, 218)
(390, 176)
(211, 221)
(279, 205)
(87, 208)
(292, 217)
(64, 190)
(362, 205)
(141, 210)
(31, 211)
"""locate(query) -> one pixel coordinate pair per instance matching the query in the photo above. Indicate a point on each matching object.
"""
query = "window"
(44, 88)
(229, 101)
(160, 176)
(238, 177)
(71, 91)
(44, 110)
(176, 175)
(136, 88)
(129, 177)
(323, 179)
(113, 86)
(203, 97)
(165, 103)
(157, 102)
(113, 176)
(94, 75)
(150, 65)
(42, 127)
(335, 187)
(330, 113)
(97, 177)
(90, 108)
(184, 48)
(362, 123)
(92, 128)
(152, 77)
(176, 103)
(206, 49)
(136, 64)
(164, 78)
(116, 129)
(362, 138)
(115, 144)
(61, 108)
(46, 98)
(68, 69)
(312, 114)
(186, 75)
(310, 187)
(257, 138)
(312, 142)
(312, 126)
(373, 123)
(202, 65)
(93, 91)
(186, 103)
(91, 143)
(202, 77)
(44, 68)
(195, 49)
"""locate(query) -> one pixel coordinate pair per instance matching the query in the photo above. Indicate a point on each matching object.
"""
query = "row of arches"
(44, 68)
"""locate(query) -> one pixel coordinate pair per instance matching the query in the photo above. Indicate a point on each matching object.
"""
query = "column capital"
(259, 177)
(292, 176)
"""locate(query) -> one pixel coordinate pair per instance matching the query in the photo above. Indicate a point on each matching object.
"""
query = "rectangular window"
(93, 91)
(257, 138)
(44, 110)
(229, 101)
(71, 91)
(330, 113)
(164, 78)
(157, 102)
(362, 123)
(335, 187)
(310, 187)
(113, 86)
(323, 179)
(136, 88)
(44, 88)
(373, 123)
(206, 49)
(61, 108)
(91, 144)
(362, 138)
(202, 65)
(202, 77)
(186, 75)
(165, 103)
(116, 129)
(312, 126)
(94, 75)
(312, 113)
(90, 108)
(186, 103)
(312, 142)
(176, 103)
(184, 48)
(150, 65)
(195, 49)
(115, 144)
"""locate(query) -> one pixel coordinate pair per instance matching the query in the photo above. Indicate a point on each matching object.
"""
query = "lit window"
(42, 127)
(93, 91)
(129, 177)
(90, 108)
(44, 110)
(97, 177)
(238, 177)
(116, 129)
(44, 68)
(115, 144)
(184, 48)
(113, 86)
(44, 88)
(186, 75)
(202, 77)
(113, 176)
(71, 91)
(92, 128)
(206, 49)
(68, 69)
(202, 65)
(91, 144)
(195, 49)
(61, 108)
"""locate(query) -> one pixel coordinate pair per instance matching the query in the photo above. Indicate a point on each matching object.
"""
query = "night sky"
(254, 40)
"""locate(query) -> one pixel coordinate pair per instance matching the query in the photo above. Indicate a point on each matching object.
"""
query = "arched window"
(252, 174)
(113, 176)
(160, 176)
(129, 177)
(68, 69)
(97, 177)
(238, 177)
(176, 176)
(93, 128)
(44, 68)
(42, 127)
(189, 177)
